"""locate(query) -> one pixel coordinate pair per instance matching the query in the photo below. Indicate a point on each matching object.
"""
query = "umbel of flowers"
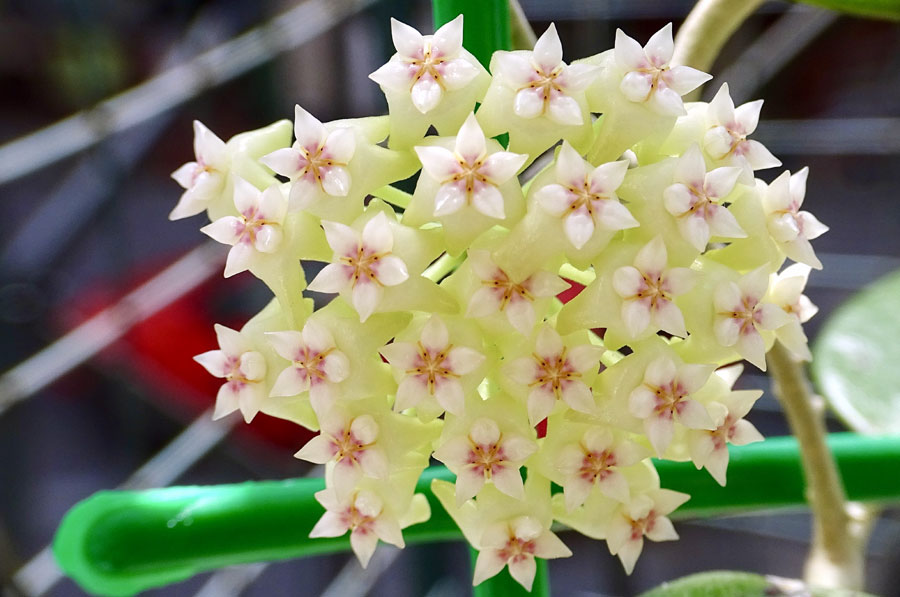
(445, 338)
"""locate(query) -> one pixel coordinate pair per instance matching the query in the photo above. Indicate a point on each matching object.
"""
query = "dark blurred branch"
(173, 87)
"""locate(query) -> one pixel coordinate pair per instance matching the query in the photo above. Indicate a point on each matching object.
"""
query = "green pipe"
(122, 542)
(485, 24)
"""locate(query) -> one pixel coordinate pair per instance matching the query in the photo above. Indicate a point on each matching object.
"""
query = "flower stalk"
(837, 555)
(707, 27)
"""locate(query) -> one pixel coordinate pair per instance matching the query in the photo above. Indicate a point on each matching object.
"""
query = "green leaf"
(741, 584)
(877, 9)
(855, 358)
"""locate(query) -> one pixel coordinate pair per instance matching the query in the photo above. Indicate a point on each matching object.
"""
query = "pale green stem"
(393, 195)
(706, 29)
(840, 530)
(443, 265)
(523, 37)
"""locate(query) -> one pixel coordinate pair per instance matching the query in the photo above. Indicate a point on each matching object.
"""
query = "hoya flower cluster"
(445, 338)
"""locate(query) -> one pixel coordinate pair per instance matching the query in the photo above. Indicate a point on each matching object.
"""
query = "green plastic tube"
(122, 542)
(485, 24)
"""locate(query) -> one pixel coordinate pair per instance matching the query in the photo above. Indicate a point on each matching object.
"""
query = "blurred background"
(85, 238)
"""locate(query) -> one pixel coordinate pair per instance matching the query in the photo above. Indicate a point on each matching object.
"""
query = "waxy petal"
(377, 236)
(390, 270)
(470, 142)
(488, 200)
(426, 94)
(448, 39)
(407, 40)
(309, 130)
(438, 162)
(502, 166)
(548, 50)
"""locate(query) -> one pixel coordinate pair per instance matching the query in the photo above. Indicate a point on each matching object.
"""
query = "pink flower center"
(554, 372)
(432, 366)
(311, 364)
(596, 465)
(506, 290)
(485, 458)
(364, 263)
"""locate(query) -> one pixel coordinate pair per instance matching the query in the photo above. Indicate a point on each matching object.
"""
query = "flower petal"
(579, 227)
(390, 270)
(660, 47)
(426, 94)
(548, 344)
(377, 236)
(408, 41)
(628, 53)
(450, 198)
(548, 50)
(565, 110)
(438, 162)
(309, 130)
(335, 180)
(508, 480)
(290, 382)
(470, 141)
(366, 297)
(332, 278)
(286, 161)
(488, 200)
(214, 361)
(448, 39)
(529, 102)
(463, 360)
(449, 394)
(502, 165)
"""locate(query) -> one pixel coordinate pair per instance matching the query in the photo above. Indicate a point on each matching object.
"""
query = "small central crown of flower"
(669, 397)
(485, 456)
(596, 465)
(348, 446)
(554, 371)
(433, 365)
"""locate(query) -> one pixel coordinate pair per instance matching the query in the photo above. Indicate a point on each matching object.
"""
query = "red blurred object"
(158, 352)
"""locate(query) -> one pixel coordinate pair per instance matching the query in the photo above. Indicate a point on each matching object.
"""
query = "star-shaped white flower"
(352, 444)
(426, 66)
(791, 228)
(786, 291)
(432, 368)
(486, 454)
(585, 196)
(644, 516)
(363, 263)
(364, 515)
(664, 397)
(648, 75)
(203, 179)
(554, 373)
(709, 448)
(740, 314)
(244, 370)
(317, 162)
(515, 543)
(595, 461)
(648, 289)
(498, 292)
(257, 229)
(469, 176)
(728, 128)
(316, 364)
(545, 84)
(695, 200)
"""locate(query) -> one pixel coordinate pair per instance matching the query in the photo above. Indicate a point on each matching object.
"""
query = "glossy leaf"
(740, 584)
(855, 359)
